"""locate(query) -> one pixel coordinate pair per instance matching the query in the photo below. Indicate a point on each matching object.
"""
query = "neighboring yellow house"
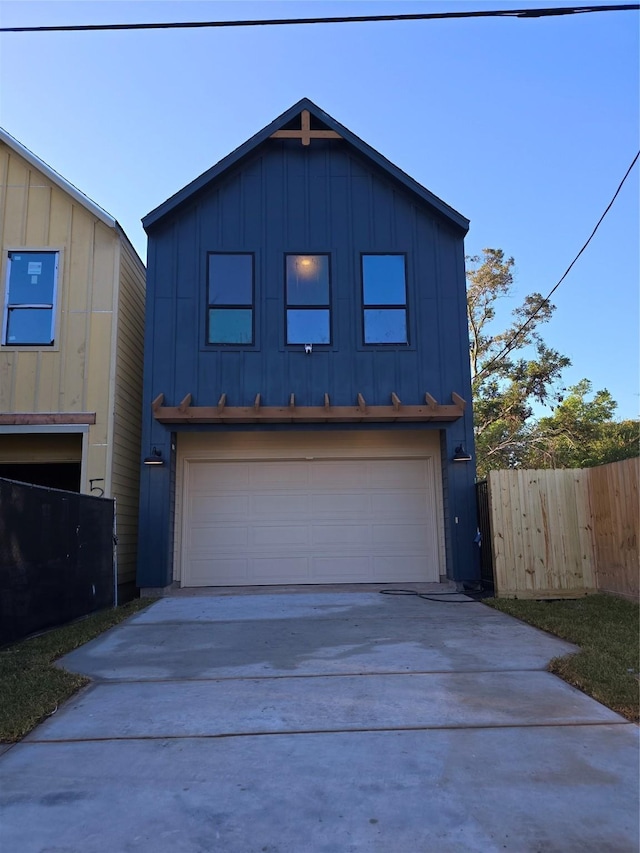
(72, 295)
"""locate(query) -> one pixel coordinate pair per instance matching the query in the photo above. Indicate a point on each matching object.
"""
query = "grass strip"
(31, 687)
(606, 628)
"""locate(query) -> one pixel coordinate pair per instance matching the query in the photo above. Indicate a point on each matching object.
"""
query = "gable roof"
(65, 185)
(170, 205)
(57, 179)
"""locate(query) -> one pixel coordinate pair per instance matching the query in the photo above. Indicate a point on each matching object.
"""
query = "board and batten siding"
(292, 446)
(126, 451)
(73, 374)
(327, 198)
(93, 351)
(323, 200)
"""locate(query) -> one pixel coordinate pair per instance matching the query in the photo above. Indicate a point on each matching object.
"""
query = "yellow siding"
(99, 364)
(14, 220)
(128, 405)
(4, 170)
(7, 373)
(25, 381)
(95, 364)
(38, 207)
(38, 215)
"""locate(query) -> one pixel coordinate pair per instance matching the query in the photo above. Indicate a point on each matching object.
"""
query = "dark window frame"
(9, 306)
(231, 306)
(364, 306)
(328, 306)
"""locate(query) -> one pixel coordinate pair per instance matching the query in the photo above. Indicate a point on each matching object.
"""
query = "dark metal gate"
(56, 557)
(484, 526)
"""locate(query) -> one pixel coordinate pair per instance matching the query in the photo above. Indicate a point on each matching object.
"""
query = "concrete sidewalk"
(321, 722)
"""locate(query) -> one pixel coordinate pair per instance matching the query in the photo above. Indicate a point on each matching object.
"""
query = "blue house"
(307, 398)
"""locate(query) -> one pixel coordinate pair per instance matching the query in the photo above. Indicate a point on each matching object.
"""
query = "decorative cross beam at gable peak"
(305, 133)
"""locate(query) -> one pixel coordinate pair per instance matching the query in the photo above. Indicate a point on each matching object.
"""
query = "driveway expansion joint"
(337, 731)
(279, 676)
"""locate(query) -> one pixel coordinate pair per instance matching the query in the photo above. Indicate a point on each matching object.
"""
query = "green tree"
(580, 432)
(506, 384)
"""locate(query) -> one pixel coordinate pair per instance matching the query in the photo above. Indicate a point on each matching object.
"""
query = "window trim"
(328, 306)
(385, 306)
(54, 346)
(208, 306)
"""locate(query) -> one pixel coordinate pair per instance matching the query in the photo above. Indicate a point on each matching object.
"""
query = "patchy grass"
(31, 688)
(607, 630)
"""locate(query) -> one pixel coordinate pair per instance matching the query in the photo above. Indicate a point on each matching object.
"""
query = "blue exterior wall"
(324, 198)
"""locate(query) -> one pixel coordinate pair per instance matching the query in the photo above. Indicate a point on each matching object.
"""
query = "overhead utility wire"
(508, 346)
(347, 19)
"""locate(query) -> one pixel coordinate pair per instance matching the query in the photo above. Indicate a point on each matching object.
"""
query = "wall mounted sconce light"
(155, 458)
(461, 455)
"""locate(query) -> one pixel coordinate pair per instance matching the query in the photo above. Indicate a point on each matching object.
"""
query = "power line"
(271, 22)
(508, 346)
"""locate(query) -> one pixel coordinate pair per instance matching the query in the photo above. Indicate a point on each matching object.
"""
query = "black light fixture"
(461, 455)
(155, 458)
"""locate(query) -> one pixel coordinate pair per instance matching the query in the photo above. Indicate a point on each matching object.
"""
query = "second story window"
(230, 299)
(30, 299)
(308, 309)
(384, 299)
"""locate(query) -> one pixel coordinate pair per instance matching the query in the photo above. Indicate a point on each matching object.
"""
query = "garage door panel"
(204, 508)
(279, 505)
(401, 505)
(309, 521)
(327, 475)
(400, 537)
(226, 571)
(209, 539)
(280, 569)
(233, 476)
(397, 475)
(332, 536)
(335, 569)
(386, 568)
(341, 504)
(278, 475)
(280, 536)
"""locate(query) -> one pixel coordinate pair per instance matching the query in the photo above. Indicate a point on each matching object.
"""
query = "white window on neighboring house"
(30, 298)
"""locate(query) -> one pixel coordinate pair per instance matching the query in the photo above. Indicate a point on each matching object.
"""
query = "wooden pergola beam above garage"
(221, 413)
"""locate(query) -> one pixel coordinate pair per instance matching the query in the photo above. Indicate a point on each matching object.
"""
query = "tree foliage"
(513, 370)
(581, 433)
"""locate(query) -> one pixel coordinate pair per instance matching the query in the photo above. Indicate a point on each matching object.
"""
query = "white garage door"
(301, 521)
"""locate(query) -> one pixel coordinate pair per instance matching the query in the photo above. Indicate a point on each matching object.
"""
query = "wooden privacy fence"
(615, 512)
(565, 533)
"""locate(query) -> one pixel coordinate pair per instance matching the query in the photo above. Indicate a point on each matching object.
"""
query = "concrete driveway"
(322, 722)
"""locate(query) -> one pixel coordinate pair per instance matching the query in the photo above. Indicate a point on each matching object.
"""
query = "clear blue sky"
(524, 126)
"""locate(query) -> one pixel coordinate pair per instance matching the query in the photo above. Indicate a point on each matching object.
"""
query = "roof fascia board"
(221, 166)
(57, 179)
(370, 153)
(380, 160)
